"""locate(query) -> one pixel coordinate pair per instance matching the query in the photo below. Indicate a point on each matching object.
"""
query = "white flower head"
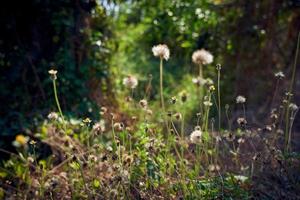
(53, 74)
(143, 103)
(199, 81)
(209, 81)
(195, 136)
(161, 51)
(293, 107)
(202, 57)
(279, 75)
(240, 99)
(207, 103)
(53, 116)
(130, 82)
(99, 127)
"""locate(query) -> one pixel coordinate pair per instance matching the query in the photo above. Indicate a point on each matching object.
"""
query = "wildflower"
(112, 115)
(53, 74)
(30, 159)
(183, 96)
(218, 67)
(161, 51)
(128, 99)
(130, 82)
(202, 57)
(103, 110)
(268, 128)
(240, 99)
(149, 112)
(230, 136)
(20, 140)
(99, 127)
(241, 121)
(87, 120)
(208, 81)
(279, 75)
(199, 81)
(207, 103)
(195, 136)
(214, 168)
(241, 140)
(293, 107)
(118, 126)
(32, 142)
(143, 103)
(212, 88)
(178, 116)
(92, 158)
(134, 118)
(173, 100)
(53, 116)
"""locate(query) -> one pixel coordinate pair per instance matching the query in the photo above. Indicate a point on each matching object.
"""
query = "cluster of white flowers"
(161, 51)
(202, 57)
(240, 99)
(130, 82)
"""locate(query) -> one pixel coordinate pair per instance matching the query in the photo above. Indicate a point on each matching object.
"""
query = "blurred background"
(94, 44)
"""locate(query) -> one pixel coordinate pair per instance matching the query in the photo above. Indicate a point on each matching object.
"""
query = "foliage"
(39, 35)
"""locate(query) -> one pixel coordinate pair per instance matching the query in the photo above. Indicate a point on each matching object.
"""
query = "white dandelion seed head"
(240, 99)
(130, 82)
(202, 57)
(195, 136)
(162, 51)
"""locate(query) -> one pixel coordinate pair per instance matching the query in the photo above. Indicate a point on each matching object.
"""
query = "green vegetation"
(150, 100)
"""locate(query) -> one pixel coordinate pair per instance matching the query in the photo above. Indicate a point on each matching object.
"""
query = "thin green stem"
(161, 85)
(57, 102)
(219, 98)
(200, 71)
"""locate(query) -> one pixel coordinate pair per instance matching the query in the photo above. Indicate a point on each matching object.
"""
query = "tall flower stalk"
(53, 74)
(219, 95)
(162, 51)
(162, 103)
(287, 113)
(201, 57)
